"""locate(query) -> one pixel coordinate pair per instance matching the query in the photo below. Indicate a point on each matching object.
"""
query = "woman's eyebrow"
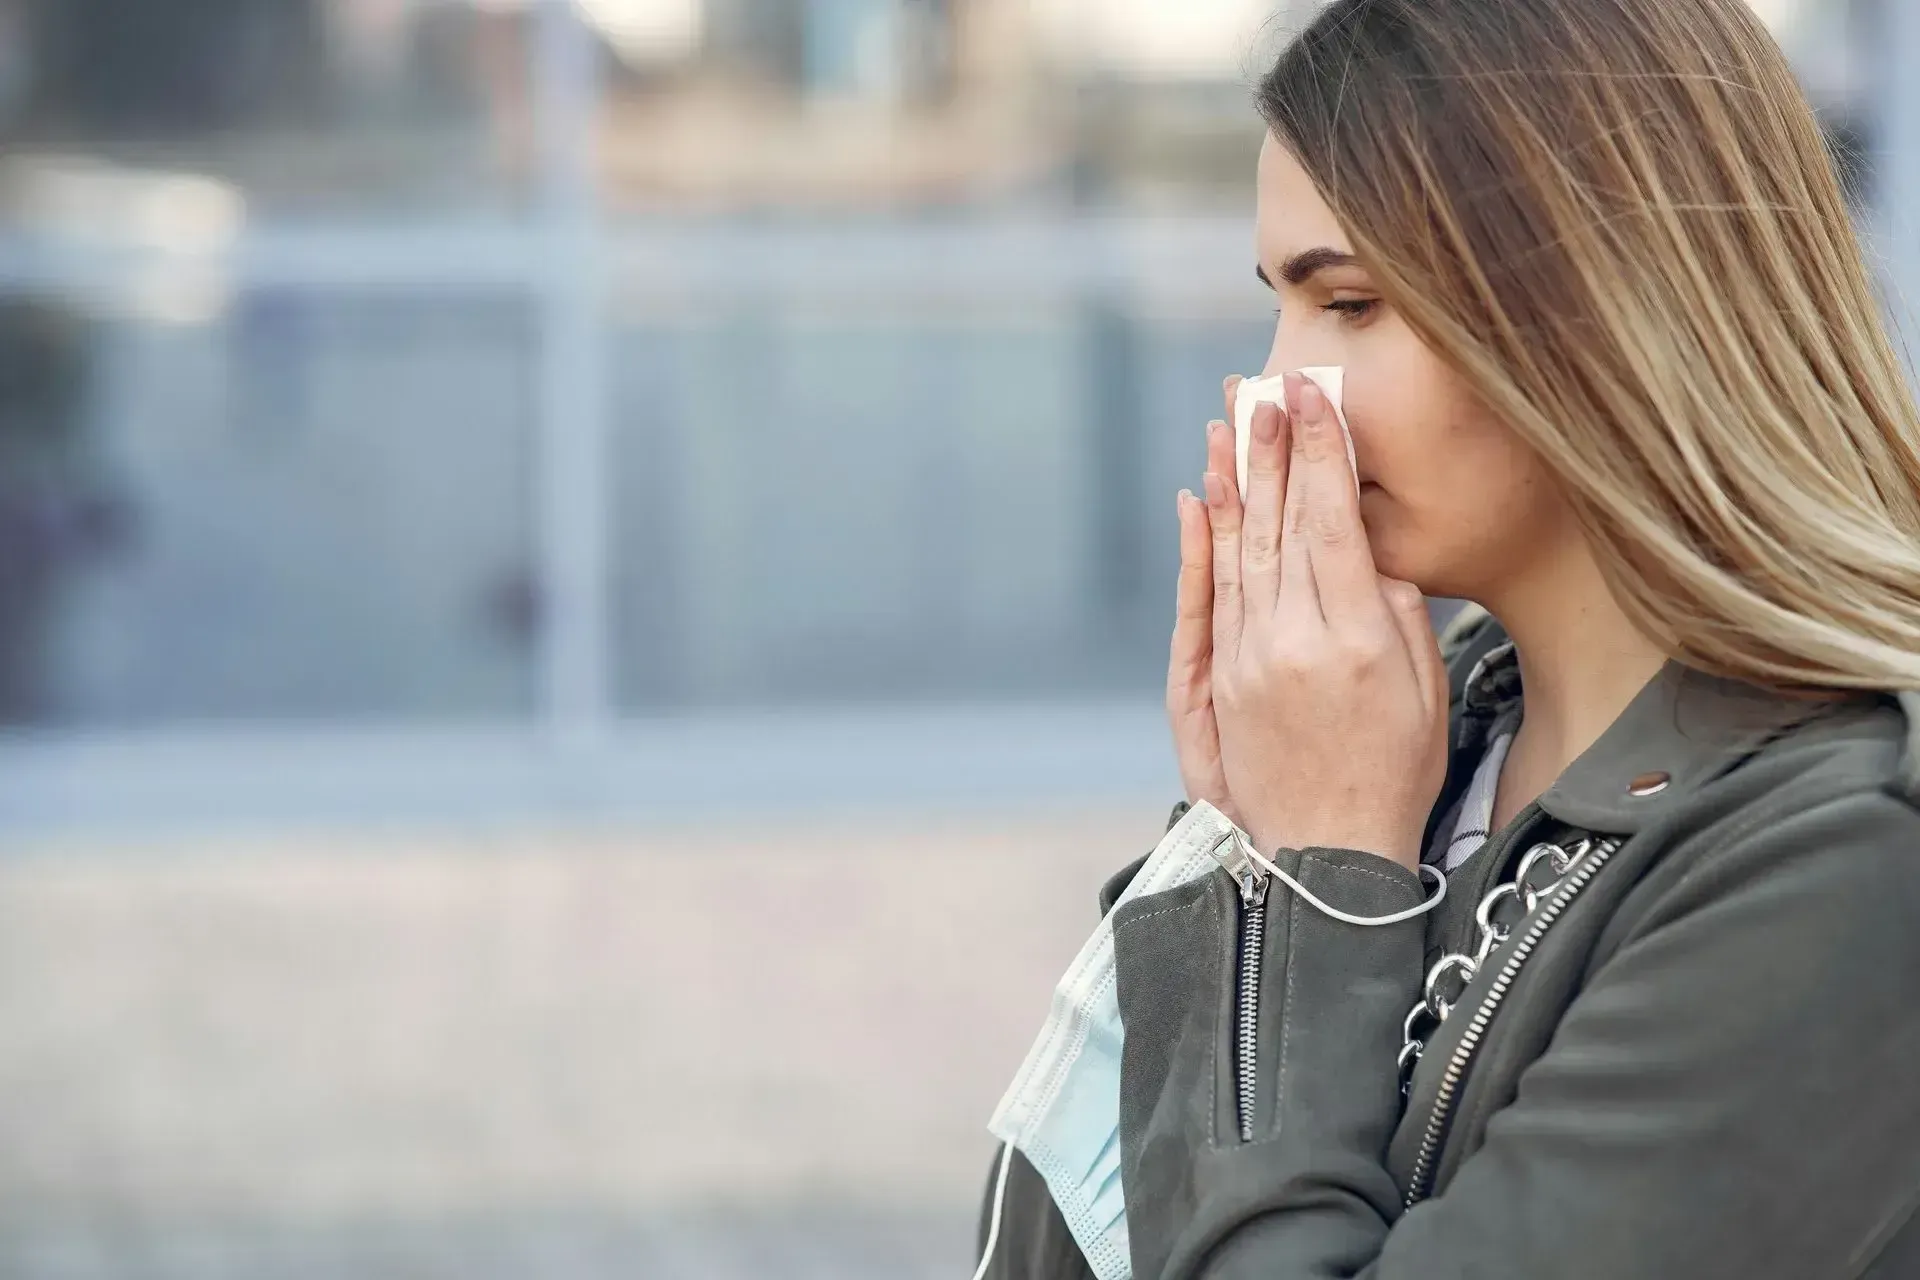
(1302, 266)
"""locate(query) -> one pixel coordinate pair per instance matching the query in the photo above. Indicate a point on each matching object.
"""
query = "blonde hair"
(1617, 220)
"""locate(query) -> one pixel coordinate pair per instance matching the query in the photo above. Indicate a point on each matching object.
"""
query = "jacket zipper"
(1252, 883)
(1246, 1039)
(1424, 1163)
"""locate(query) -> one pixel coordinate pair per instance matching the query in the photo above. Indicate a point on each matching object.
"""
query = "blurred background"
(583, 591)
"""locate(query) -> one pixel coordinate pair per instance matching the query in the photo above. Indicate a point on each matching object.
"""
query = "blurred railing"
(355, 506)
(886, 464)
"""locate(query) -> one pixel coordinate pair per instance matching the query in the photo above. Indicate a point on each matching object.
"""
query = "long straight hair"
(1618, 222)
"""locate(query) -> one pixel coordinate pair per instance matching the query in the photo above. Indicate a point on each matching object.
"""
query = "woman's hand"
(1196, 735)
(1329, 695)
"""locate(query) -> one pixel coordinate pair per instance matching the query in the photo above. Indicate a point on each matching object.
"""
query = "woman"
(1614, 372)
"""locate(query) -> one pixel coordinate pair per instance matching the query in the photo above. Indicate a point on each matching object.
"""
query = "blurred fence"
(867, 463)
(320, 422)
(821, 466)
(344, 406)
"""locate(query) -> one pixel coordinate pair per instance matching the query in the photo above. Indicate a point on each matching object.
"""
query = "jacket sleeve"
(1732, 1093)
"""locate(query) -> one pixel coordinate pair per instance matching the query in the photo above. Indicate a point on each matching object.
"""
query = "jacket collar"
(1681, 731)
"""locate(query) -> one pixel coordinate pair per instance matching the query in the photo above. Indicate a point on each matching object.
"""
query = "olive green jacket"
(1698, 1057)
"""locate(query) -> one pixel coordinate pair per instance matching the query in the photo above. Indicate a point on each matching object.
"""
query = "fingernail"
(1266, 422)
(1215, 427)
(1293, 382)
(1180, 503)
(1313, 401)
(1216, 489)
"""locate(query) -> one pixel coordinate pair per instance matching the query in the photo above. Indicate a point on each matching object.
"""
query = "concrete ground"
(699, 1052)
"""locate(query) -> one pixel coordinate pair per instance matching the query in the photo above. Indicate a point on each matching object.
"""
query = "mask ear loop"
(1261, 861)
(999, 1201)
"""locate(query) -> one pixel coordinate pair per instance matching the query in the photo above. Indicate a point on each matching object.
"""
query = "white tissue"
(1329, 378)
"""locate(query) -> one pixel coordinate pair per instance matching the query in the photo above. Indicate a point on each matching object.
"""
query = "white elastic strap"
(1439, 894)
(999, 1199)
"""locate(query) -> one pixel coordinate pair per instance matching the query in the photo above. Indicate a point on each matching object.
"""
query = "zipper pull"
(1230, 851)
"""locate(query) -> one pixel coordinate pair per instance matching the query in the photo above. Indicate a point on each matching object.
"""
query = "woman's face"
(1453, 501)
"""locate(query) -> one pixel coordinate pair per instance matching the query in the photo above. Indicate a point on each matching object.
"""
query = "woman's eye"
(1352, 308)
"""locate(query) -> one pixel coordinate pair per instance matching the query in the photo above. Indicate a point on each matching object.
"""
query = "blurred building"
(525, 371)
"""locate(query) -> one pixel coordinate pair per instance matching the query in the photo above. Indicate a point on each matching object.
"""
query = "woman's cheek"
(1390, 482)
(1361, 412)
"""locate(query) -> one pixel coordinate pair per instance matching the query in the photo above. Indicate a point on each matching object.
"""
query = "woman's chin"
(1395, 559)
(1398, 549)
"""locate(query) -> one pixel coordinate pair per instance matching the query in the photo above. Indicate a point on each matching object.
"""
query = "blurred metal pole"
(1896, 28)
(1118, 447)
(571, 501)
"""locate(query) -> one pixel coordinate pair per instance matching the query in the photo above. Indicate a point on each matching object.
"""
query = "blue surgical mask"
(1062, 1110)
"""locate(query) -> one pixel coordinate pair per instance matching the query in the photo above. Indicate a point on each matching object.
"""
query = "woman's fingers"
(1231, 390)
(1223, 515)
(1266, 493)
(1298, 598)
(1193, 598)
(1190, 709)
(1220, 450)
(1220, 462)
(1409, 610)
(1323, 513)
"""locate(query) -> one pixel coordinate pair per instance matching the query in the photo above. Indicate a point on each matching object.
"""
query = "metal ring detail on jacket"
(1439, 995)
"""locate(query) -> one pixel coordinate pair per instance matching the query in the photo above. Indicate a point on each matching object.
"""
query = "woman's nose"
(1288, 353)
(1287, 363)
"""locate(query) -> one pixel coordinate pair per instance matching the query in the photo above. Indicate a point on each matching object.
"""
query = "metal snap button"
(1649, 784)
